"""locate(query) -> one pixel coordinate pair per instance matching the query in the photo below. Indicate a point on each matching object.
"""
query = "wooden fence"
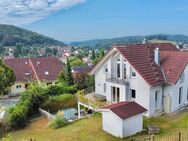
(170, 137)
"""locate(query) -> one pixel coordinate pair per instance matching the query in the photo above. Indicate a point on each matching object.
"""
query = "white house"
(123, 119)
(153, 75)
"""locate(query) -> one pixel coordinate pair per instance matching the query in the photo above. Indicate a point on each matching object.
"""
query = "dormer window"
(27, 73)
(133, 73)
(46, 73)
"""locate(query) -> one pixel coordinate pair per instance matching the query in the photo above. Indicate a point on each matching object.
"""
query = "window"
(115, 94)
(124, 69)
(118, 68)
(180, 95)
(104, 85)
(156, 99)
(18, 86)
(133, 94)
(133, 73)
(182, 77)
(105, 69)
(46, 73)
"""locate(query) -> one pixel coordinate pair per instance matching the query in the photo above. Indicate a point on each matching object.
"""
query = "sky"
(77, 20)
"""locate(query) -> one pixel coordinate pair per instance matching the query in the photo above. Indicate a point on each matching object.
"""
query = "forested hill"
(107, 43)
(12, 35)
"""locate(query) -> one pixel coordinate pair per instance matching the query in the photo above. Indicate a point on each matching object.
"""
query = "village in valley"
(131, 88)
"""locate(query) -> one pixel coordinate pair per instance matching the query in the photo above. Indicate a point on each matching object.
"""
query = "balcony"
(112, 78)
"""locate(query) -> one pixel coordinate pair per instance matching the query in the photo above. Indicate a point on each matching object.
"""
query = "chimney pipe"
(157, 56)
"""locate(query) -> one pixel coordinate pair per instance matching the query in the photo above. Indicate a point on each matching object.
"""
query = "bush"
(17, 118)
(60, 89)
(58, 102)
(29, 104)
(58, 122)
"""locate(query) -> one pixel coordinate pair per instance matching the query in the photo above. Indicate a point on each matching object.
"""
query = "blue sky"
(75, 20)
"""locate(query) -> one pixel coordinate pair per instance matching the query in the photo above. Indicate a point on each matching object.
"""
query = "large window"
(115, 94)
(180, 95)
(133, 94)
(124, 69)
(118, 68)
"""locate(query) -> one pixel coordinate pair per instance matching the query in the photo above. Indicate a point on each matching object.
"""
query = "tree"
(101, 52)
(17, 51)
(7, 77)
(69, 77)
(54, 51)
(48, 51)
(93, 55)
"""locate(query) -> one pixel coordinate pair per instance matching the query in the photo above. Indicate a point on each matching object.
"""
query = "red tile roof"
(173, 64)
(141, 57)
(126, 109)
(27, 69)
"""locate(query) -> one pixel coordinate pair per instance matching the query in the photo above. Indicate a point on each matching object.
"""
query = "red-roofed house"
(123, 119)
(44, 69)
(154, 75)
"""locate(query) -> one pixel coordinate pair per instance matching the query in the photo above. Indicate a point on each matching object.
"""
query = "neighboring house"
(153, 75)
(44, 69)
(123, 119)
(84, 69)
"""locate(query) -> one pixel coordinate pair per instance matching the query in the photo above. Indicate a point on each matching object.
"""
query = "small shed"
(123, 119)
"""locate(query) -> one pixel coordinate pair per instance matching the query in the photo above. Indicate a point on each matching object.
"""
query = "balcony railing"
(112, 78)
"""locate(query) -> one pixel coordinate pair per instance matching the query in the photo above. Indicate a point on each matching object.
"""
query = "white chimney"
(157, 56)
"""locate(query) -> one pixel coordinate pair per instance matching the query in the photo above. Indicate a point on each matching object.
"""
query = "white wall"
(112, 124)
(173, 91)
(138, 83)
(152, 109)
(132, 125)
(15, 91)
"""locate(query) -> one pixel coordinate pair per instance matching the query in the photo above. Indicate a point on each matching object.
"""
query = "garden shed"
(123, 119)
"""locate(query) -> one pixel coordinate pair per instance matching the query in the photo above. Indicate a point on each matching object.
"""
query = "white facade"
(118, 127)
(132, 86)
(175, 97)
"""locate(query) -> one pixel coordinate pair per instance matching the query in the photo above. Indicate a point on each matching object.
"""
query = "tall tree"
(7, 77)
(101, 52)
(93, 54)
(18, 50)
(69, 77)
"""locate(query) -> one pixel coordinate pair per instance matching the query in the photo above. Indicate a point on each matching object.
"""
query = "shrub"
(29, 104)
(61, 101)
(60, 89)
(58, 122)
(17, 118)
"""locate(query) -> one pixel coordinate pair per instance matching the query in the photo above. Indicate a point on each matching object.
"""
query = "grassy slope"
(91, 129)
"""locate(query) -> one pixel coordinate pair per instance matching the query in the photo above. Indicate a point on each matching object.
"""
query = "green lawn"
(91, 129)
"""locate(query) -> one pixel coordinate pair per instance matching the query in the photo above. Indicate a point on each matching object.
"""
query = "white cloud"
(19, 12)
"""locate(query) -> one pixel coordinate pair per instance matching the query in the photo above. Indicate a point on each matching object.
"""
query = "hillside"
(12, 35)
(107, 43)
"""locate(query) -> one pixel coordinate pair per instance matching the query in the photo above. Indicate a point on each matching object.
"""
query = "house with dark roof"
(42, 69)
(155, 75)
(127, 118)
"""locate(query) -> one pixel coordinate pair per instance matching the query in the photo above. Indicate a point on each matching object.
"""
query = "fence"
(170, 137)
